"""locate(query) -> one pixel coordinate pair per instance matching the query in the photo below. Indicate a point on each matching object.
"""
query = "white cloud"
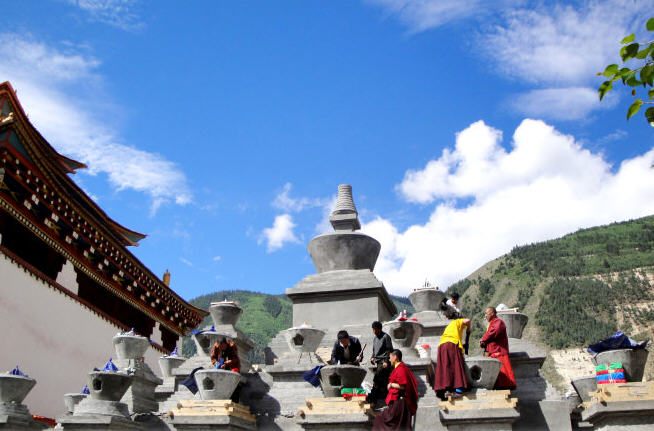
(279, 234)
(45, 79)
(118, 13)
(285, 202)
(557, 44)
(556, 47)
(545, 185)
(217, 258)
(565, 104)
(561, 48)
(186, 261)
(420, 15)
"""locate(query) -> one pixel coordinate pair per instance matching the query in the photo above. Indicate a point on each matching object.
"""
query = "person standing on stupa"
(450, 376)
(402, 398)
(496, 345)
(382, 346)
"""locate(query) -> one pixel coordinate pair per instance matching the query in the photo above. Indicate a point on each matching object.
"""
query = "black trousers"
(380, 383)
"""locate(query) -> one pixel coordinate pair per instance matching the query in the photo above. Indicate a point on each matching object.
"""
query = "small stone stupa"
(427, 302)
(14, 415)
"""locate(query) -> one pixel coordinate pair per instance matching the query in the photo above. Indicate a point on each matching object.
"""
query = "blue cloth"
(17, 372)
(174, 352)
(220, 363)
(313, 376)
(109, 366)
(85, 390)
(611, 376)
(200, 331)
(190, 381)
(617, 341)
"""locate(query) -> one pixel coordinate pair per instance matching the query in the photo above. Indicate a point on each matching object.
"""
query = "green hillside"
(264, 316)
(577, 289)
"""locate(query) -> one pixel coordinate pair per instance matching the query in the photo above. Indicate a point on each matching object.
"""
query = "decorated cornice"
(39, 196)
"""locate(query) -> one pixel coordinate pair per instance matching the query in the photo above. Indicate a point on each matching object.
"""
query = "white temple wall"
(52, 338)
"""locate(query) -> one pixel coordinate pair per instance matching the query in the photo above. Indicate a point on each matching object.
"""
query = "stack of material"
(480, 409)
(212, 415)
(621, 406)
(335, 413)
(610, 373)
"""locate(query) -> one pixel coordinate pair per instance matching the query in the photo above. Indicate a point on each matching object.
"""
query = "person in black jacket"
(382, 346)
(347, 350)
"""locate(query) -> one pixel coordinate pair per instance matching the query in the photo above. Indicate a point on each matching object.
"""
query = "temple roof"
(61, 164)
(51, 171)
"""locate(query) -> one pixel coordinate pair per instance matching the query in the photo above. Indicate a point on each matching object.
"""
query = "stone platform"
(335, 413)
(480, 410)
(210, 415)
(16, 416)
(621, 406)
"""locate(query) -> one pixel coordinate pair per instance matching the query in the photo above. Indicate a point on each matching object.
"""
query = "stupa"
(344, 294)
(427, 302)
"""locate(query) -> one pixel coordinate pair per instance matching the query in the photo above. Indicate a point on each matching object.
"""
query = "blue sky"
(222, 129)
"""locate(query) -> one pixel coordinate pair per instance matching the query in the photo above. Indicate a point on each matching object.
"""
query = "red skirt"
(506, 379)
(396, 417)
(450, 369)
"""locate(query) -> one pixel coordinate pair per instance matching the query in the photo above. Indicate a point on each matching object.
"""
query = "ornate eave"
(36, 190)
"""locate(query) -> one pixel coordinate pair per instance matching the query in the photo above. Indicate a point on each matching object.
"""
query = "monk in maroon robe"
(227, 350)
(496, 344)
(402, 398)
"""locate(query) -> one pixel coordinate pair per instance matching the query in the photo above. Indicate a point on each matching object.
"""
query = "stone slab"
(211, 423)
(598, 413)
(97, 423)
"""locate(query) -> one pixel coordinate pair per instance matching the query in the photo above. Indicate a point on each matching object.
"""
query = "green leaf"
(650, 24)
(629, 38)
(604, 88)
(646, 74)
(610, 70)
(629, 51)
(634, 108)
(650, 93)
(649, 116)
(633, 82)
(642, 54)
(626, 76)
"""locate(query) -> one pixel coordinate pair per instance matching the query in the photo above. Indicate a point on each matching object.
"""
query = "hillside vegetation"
(577, 289)
(263, 317)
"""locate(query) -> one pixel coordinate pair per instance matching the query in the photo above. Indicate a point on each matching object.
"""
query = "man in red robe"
(402, 398)
(496, 344)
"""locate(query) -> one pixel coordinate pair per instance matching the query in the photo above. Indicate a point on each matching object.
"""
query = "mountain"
(264, 316)
(576, 290)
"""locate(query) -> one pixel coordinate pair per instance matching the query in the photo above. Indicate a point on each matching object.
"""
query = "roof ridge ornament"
(344, 216)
